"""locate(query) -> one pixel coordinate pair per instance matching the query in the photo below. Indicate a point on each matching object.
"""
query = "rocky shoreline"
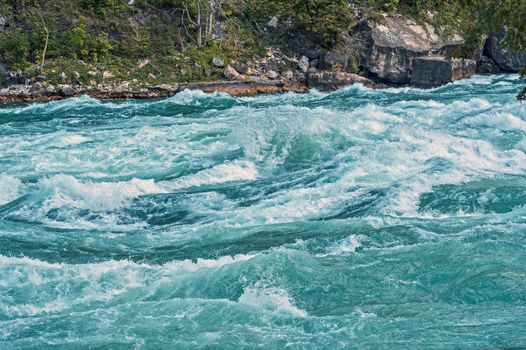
(393, 51)
(41, 92)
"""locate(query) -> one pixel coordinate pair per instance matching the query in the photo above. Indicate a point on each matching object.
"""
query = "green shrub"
(14, 47)
(79, 44)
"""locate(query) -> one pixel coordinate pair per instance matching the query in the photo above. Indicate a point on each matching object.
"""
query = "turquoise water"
(359, 219)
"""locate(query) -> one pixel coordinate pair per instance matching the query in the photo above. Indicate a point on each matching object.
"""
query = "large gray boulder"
(328, 81)
(507, 60)
(388, 47)
(432, 71)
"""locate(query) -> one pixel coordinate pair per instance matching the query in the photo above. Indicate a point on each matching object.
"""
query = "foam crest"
(9, 188)
(65, 190)
(501, 121)
(235, 171)
(345, 246)
(270, 298)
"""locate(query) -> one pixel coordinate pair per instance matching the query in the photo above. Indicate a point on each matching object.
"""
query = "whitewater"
(357, 219)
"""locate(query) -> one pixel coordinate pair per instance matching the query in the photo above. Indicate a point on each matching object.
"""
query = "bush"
(14, 47)
(78, 43)
(322, 20)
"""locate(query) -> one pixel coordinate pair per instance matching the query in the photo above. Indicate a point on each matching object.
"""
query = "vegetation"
(180, 37)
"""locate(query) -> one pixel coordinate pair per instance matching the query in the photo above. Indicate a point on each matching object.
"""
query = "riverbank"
(41, 93)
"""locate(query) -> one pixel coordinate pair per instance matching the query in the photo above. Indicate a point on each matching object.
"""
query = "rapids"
(358, 219)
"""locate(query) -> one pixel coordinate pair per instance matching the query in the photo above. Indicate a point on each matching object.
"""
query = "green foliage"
(103, 7)
(322, 20)
(14, 47)
(78, 43)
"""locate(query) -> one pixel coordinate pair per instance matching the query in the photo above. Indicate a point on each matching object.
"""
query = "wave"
(270, 298)
(234, 171)
(9, 188)
(65, 190)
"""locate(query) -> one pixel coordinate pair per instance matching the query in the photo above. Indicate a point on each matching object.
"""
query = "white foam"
(501, 121)
(76, 284)
(345, 246)
(270, 298)
(65, 190)
(71, 140)
(234, 171)
(9, 188)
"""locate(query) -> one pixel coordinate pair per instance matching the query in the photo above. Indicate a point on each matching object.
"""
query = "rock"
(272, 75)
(143, 62)
(507, 60)
(273, 23)
(151, 76)
(230, 73)
(107, 74)
(334, 61)
(219, 63)
(289, 75)
(314, 63)
(37, 88)
(386, 48)
(327, 81)
(312, 53)
(434, 71)
(487, 65)
(3, 23)
(50, 89)
(41, 78)
(14, 78)
(76, 75)
(63, 77)
(303, 64)
(123, 87)
(164, 87)
(241, 68)
(65, 90)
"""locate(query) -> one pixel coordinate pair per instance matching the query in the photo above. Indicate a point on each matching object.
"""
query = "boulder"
(386, 48)
(65, 90)
(327, 81)
(289, 75)
(303, 64)
(434, 71)
(241, 68)
(487, 65)
(272, 75)
(219, 63)
(273, 23)
(230, 73)
(507, 60)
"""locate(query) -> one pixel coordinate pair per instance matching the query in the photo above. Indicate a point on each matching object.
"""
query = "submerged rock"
(438, 70)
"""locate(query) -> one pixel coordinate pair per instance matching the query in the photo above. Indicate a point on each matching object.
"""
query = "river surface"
(359, 219)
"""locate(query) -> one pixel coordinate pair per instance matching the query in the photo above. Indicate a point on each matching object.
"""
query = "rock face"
(334, 61)
(387, 48)
(438, 70)
(328, 81)
(487, 65)
(507, 60)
